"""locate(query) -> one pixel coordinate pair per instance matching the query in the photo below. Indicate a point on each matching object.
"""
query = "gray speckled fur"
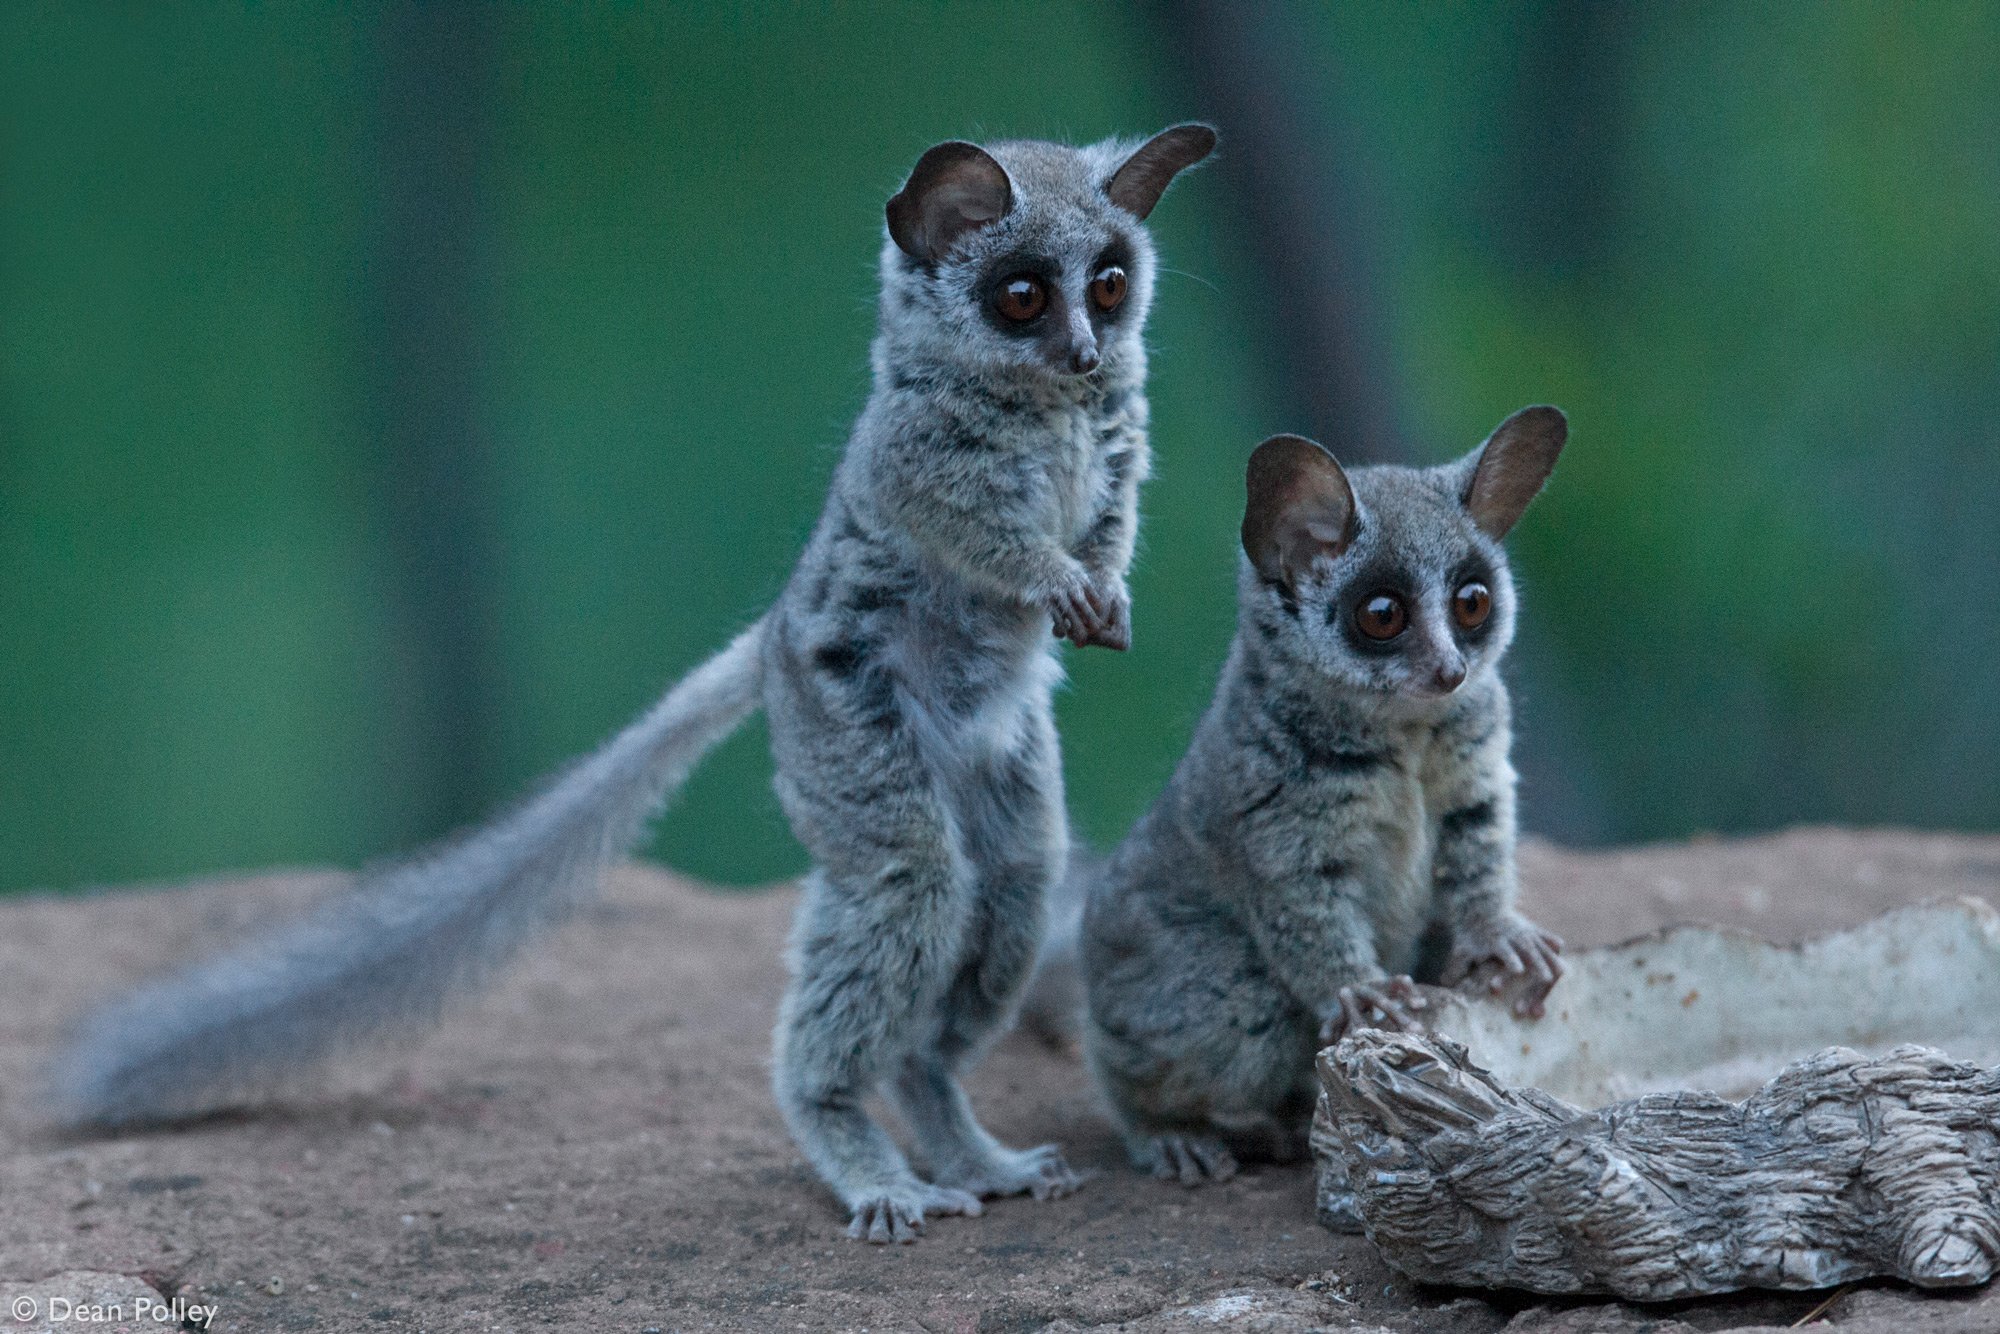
(907, 670)
(1334, 822)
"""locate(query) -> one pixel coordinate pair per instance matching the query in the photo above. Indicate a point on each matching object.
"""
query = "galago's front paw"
(1511, 958)
(1116, 631)
(1085, 614)
(1390, 1003)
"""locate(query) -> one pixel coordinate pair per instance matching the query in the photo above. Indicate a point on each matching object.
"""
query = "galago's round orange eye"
(1107, 289)
(1021, 298)
(1381, 616)
(1471, 605)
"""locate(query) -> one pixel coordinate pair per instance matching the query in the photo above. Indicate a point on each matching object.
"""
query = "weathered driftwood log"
(1842, 1167)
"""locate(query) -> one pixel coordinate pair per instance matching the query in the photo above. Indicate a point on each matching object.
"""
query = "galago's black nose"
(1083, 358)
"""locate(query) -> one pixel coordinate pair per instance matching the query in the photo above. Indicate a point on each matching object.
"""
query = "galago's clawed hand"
(1390, 1003)
(1085, 614)
(1512, 955)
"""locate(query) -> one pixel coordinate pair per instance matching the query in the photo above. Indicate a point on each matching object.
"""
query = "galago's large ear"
(1140, 181)
(1507, 472)
(955, 188)
(1300, 508)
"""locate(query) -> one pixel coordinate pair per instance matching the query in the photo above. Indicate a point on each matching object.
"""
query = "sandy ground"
(592, 1146)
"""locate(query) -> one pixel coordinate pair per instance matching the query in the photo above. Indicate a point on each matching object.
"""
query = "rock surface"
(592, 1145)
(1695, 1008)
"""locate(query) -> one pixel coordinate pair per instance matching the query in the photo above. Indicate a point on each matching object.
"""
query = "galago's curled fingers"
(1389, 1004)
(1117, 631)
(1547, 956)
(1072, 616)
(1088, 611)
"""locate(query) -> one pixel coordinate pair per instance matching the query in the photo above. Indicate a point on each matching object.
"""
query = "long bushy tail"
(388, 955)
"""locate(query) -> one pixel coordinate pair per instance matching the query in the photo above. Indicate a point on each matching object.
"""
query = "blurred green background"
(393, 401)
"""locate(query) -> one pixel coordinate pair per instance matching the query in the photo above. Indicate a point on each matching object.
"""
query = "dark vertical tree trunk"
(425, 310)
(1551, 202)
(1303, 203)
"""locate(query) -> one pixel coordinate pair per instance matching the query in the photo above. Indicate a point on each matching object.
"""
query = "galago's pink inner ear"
(955, 188)
(1300, 508)
(1513, 464)
(1140, 181)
